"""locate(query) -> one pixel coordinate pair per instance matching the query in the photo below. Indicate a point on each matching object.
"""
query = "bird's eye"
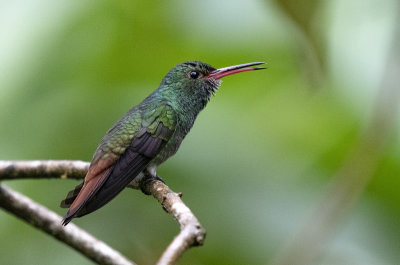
(194, 74)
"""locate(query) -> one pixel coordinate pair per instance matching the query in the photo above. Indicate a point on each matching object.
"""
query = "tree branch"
(191, 234)
(36, 169)
(49, 222)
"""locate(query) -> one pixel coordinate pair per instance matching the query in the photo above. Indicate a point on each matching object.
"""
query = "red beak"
(230, 70)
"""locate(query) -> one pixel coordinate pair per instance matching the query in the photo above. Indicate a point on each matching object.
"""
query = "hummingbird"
(148, 134)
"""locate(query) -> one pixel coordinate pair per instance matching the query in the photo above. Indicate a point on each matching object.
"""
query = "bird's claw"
(144, 185)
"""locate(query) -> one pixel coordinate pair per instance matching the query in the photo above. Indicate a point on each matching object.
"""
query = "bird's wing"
(123, 153)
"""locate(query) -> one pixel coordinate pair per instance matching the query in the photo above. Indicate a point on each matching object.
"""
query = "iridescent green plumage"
(147, 135)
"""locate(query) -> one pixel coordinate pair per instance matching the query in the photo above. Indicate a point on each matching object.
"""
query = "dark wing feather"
(95, 177)
(134, 160)
(106, 178)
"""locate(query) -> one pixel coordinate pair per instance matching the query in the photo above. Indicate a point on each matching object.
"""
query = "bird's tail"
(67, 218)
(66, 203)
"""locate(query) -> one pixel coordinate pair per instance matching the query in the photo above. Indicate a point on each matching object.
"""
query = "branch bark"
(37, 169)
(49, 222)
(191, 234)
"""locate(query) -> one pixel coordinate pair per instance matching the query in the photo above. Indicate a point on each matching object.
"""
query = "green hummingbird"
(147, 135)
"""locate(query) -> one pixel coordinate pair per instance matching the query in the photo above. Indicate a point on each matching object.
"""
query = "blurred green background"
(260, 156)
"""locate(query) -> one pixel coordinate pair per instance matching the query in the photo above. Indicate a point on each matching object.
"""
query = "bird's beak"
(230, 70)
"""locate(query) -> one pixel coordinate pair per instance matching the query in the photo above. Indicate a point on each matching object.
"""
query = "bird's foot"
(157, 177)
(144, 184)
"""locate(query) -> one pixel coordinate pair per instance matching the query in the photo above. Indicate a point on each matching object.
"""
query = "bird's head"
(189, 85)
(201, 79)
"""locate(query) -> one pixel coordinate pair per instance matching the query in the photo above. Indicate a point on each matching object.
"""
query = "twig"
(191, 234)
(49, 222)
(37, 169)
